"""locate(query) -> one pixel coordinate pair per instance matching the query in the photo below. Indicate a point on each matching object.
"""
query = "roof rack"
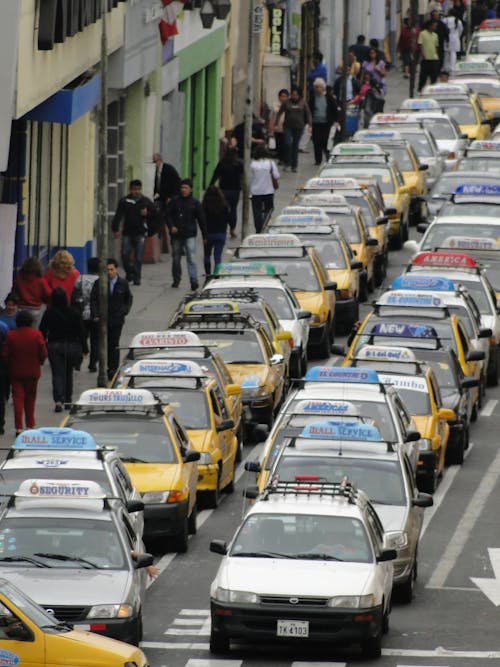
(312, 485)
(213, 321)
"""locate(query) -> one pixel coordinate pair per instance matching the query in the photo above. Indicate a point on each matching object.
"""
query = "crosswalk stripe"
(318, 664)
(181, 646)
(186, 631)
(189, 621)
(194, 612)
(195, 662)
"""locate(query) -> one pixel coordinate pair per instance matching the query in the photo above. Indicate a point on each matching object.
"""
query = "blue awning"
(68, 104)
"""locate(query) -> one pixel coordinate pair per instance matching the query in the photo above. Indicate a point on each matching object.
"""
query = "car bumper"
(164, 519)
(258, 410)
(124, 629)
(345, 310)
(259, 622)
(317, 334)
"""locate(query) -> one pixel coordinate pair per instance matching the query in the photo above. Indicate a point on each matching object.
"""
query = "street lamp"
(207, 14)
(222, 8)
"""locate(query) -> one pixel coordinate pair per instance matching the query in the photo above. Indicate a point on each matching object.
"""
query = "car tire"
(192, 523)
(213, 497)
(405, 590)
(385, 620)
(455, 456)
(475, 412)
(181, 539)
(492, 377)
(397, 241)
(428, 483)
(323, 349)
(138, 630)
(303, 363)
(372, 648)
(363, 288)
(219, 643)
(239, 437)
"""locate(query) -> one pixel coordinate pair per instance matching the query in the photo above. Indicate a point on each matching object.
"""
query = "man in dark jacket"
(167, 181)
(443, 33)
(324, 114)
(119, 305)
(139, 215)
(184, 215)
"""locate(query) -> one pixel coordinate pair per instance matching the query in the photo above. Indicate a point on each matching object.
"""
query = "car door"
(28, 653)
(415, 514)
(189, 470)
(383, 570)
(226, 438)
(128, 492)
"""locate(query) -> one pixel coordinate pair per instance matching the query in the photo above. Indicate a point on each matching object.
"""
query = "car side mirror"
(469, 383)
(464, 136)
(253, 466)
(485, 333)
(390, 211)
(423, 167)
(387, 554)
(143, 560)
(218, 547)
(446, 414)
(330, 286)
(423, 500)
(304, 314)
(260, 433)
(412, 436)
(133, 506)
(192, 455)
(251, 492)
(276, 359)
(422, 227)
(371, 241)
(356, 265)
(475, 355)
(225, 424)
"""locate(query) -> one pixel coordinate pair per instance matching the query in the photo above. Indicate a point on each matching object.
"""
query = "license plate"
(298, 629)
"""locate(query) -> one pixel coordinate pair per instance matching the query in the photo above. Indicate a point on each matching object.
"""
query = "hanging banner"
(277, 28)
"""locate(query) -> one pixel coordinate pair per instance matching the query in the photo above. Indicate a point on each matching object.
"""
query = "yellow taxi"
(32, 637)
(358, 160)
(417, 385)
(484, 84)
(303, 272)
(156, 451)
(246, 349)
(465, 107)
(171, 344)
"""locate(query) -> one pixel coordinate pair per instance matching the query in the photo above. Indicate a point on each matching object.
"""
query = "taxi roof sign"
(55, 438)
(168, 338)
(332, 183)
(417, 282)
(446, 89)
(272, 241)
(472, 66)
(386, 353)
(357, 149)
(59, 489)
(390, 118)
(483, 145)
(244, 269)
(401, 330)
(470, 243)
(451, 260)
(378, 135)
(117, 398)
(211, 307)
(166, 368)
(326, 407)
(306, 229)
(409, 299)
(478, 189)
(326, 199)
(337, 430)
(410, 382)
(302, 210)
(301, 218)
(490, 24)
(341, 374)
(420, 104)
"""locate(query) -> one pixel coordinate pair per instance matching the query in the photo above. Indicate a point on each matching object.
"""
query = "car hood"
(153, 476)
(269, 576)
(249, 375)
(311, 301)
(392, 516)
(201, 439)
(71, 586)
(340, 276)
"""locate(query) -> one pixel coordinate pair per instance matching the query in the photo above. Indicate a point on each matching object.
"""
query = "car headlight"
(110, 611)
(155, 497)
(424, 445)
(226, 595)
(397, 539)
(352, 601)
(205, 459)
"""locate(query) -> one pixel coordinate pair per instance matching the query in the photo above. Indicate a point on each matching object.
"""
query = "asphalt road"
(451, 621)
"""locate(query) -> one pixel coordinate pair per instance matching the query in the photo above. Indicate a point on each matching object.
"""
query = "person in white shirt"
(452, 46)
(263, 183)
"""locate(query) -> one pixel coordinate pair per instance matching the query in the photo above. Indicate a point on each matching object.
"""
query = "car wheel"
(213, 497)
(363, 287)
(475, 412)
(372, 648)
(492, 377)
(192, 525)
(239, 437)
(138, 630)
(405, 590)
(371, 285)
(181, 539)
(219, 643)
(303, 364)
(385, 620)
(455, 456)
(427, 484)
(397, 241)
(323, 349)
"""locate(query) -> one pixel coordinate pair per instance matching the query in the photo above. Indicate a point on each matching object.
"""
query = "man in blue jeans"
(184, 216)
(139, 216)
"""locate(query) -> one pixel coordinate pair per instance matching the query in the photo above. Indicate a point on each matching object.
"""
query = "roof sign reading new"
(409, 299)
(325, 407)
(339, 430)
(116, 398)
(417, 282)
(55, 438)
(478, 189)
(420, 104)
(341, 374)
(398, 330)
(410, 382)
(385, 353)
(450, 260)
(165, 339)
(159, 367)
(245, 269)
(211, 307)
(470, 243)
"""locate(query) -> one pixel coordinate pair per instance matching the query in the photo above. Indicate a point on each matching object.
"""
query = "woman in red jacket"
(62, 272)
(24, 352)
(32, 289)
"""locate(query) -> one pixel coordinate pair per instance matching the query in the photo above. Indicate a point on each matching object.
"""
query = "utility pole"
(414, 45)
(102, 213)
(345, 71)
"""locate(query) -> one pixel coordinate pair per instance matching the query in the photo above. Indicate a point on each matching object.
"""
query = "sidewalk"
(155, 301)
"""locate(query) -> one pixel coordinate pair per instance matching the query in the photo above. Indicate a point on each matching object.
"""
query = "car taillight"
(451, 156)
(291, 343)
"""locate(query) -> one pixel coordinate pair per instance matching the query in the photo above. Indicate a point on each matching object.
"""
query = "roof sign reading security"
(60, 489)
(159, 367)
(116, 397)
(337, 430)
(341, 374)
(271, 241)
(165, 339)
(357, 149)
(403, 330)
(478, 189)
(378, 135)
(55, 438)
(470, 243)
(386, 353)
(409, 299)
(405, 382)
(450, 260)
(417, 282)
(245, 269)
(324, 407)
(418, 104)
(211, 307)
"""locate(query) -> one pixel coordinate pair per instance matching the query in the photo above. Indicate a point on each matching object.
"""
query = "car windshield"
(417, 402)
(465, 317)
(328, 250)
(479, 164)
(381, 480)
(440, 128)
(462, 112)
(299, 274)
(235, 347)
(476, 208)
(419, 141)
(257, 312)
(486, 88)
(134, 437)
(478, 292)
(279, 302)
(382, 174)
(440, 231)
(304, 536)
(190, 405)
(401, 155)
(448, 183)
(29, 608)
(11, 478)
(62, 542)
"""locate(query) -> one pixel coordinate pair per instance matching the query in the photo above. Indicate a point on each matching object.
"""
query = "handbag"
(275, 181)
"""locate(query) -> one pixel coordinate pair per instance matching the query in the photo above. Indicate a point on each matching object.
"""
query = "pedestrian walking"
(24, 352)
(4, 380)
(376, 67)
(428, 43)
(8, 314)
(184, 216)
(443, 35)
(62, 272)
(119, 304)
(276, 129)
(217, 219)
(80, 300)
(32, 289)
(62, 328)
(324, 114)
(317, 71)
(258, 135)
(452, 46)
(404, 47)
(297, 115)
(167, 184)
(360, 49)
(264, 181)
(229, 173)
(369, 99)
(138, 215)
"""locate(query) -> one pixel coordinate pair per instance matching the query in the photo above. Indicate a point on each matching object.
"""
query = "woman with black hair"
(229, 173)
(218, 217)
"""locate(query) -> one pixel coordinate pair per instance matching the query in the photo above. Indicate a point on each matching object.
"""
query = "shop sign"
(277, 20)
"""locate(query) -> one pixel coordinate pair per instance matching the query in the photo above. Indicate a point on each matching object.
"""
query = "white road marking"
(194, 612)
(318, 664)
(465, 525)
(202, 517)
(488, 409)
(442, 489)
(162, 565)
(465, 589)
(166, 646)
(186, 632)
(440, 652)
(491, 587)
(189, 621)
(195, 662)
